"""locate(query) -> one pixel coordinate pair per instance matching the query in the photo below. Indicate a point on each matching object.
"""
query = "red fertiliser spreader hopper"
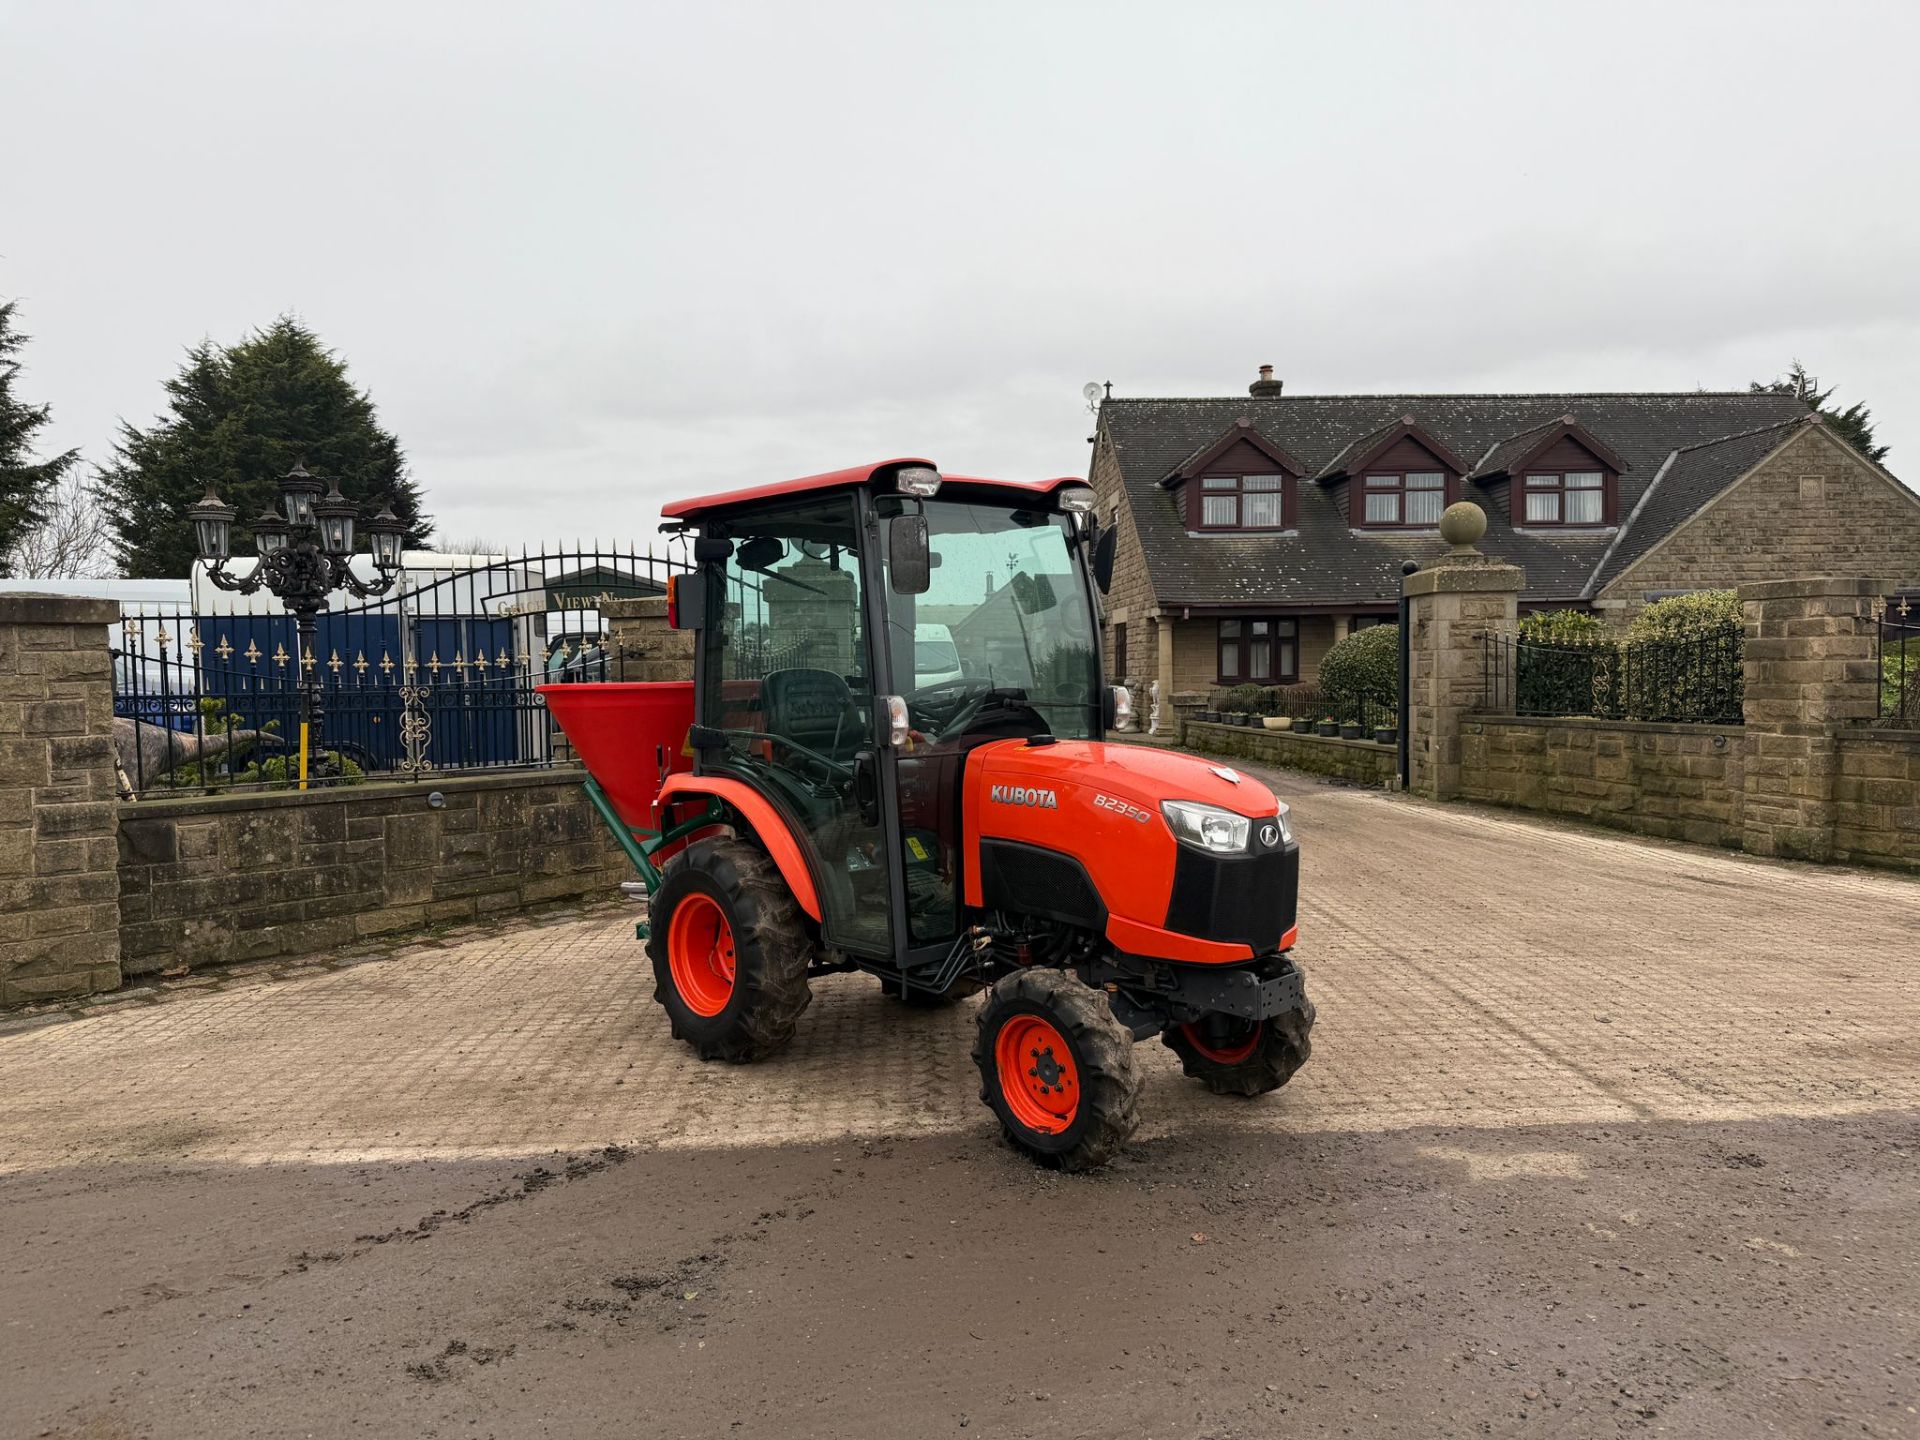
(632, 737)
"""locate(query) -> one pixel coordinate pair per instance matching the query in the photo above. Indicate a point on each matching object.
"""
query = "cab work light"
(920, 480)
(1075, 499)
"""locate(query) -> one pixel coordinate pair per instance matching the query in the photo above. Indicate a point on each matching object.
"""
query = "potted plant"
(1350, 730)
(1328, 727)
(1273, 709)
(1386, 734)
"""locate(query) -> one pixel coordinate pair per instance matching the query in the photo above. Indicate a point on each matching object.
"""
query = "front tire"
(1244, 1057)
(1057, 1069)
(729, 952)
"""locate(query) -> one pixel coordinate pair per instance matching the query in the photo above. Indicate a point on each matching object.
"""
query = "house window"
(1574, 497)
(1119, 651)
(1243, 502)
(1412, 499)
(1259, 652)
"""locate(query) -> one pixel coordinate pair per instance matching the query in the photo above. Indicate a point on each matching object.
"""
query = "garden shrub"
(1362, 670)
(1562, 625)
(1683, 614)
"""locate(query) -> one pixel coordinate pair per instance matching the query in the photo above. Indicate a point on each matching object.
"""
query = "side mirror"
(909, 555)
(1103, 549)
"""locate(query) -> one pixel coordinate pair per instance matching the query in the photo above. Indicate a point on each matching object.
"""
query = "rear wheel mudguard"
(768, 828)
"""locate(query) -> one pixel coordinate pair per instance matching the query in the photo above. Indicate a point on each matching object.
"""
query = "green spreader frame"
(642, 845)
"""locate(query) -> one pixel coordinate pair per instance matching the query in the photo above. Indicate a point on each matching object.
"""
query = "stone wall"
(1813, 507)
(1877, 799)
(59, 924)
(1679, 782)
(1358, 760)
(243, 877)
(1130, 599)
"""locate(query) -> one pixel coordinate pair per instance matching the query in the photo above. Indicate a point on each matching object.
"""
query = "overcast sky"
(589, 256)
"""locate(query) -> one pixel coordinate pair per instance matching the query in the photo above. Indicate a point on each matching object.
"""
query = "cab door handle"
(866, 786)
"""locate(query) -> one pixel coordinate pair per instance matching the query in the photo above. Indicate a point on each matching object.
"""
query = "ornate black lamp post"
(304, 558)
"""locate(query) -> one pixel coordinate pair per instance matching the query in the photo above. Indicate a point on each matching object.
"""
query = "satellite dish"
(1090, 392)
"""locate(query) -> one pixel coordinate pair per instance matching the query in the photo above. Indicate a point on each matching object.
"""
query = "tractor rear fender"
(768, 827)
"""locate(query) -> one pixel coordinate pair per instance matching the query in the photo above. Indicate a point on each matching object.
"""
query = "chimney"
(1266, 387)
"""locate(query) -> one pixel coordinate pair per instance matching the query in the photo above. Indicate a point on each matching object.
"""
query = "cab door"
(787, 680)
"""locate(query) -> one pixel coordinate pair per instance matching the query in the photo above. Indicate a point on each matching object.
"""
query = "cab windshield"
(1007, 589)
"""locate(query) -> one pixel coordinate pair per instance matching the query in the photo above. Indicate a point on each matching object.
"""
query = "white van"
(935, 657)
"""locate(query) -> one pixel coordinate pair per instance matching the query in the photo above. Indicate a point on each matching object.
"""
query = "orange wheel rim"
(700, 955)
(1038, 1077)
(1232, 1053)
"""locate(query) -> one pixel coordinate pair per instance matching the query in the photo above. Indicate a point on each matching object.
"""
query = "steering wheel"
(935, 707)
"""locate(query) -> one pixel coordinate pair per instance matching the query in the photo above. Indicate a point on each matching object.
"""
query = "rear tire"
(729, 952)
(1057, 1069)
(1254, 1058)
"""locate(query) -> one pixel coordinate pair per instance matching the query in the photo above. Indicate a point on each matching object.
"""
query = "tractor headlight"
(1207, 826)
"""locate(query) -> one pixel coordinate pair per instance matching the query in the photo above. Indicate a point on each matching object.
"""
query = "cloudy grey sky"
(586, 256)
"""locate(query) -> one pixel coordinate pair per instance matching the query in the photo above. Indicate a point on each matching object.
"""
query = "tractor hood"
(1143, 774)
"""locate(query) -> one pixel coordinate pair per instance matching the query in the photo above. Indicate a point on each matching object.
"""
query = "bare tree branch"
(74, 543)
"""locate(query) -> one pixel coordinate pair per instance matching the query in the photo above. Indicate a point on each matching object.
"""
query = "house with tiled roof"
(1256, 530)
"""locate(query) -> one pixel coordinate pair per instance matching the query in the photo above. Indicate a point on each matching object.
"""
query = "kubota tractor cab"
(853, 804)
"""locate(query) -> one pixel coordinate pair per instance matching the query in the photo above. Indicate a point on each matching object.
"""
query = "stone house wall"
(1130, 599)
(1813, 507)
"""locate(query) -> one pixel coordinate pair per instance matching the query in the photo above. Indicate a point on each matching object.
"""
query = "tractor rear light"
(899, 727)
(1207, 826)
(1075, 499)
(1122, 707)
(673, 602)
(920, 480)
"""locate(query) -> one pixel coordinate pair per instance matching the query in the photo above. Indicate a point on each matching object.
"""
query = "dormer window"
(1238, 481)
(1412, 498)
(1400, 477)
(1571, 497)
(1558, 474)
(1243, 502)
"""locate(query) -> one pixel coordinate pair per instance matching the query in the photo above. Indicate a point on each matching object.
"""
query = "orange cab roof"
(857, 475)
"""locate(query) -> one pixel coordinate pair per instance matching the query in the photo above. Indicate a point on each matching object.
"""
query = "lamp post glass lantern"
(303, 560)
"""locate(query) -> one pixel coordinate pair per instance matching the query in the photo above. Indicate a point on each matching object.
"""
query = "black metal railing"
(442, 676)
(1692, 677)
(1897, 658)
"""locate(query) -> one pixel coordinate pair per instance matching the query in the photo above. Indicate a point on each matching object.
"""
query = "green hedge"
(1363, 670)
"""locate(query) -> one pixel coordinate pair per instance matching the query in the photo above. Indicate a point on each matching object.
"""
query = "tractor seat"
(814, 708)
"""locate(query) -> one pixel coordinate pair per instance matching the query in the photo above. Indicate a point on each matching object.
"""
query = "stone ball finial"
(1463, 525)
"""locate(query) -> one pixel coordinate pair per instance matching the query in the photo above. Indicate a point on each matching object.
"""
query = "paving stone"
(1471, 969)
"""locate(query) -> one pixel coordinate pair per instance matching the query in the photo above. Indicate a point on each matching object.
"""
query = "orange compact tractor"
(891, 758)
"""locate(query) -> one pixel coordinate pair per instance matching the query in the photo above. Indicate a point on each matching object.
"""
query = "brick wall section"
(1813, 507)
(1876, 810)
(244, 877)
(1358, 760)
(1451, 608)
(1810, 673)
(1679, 782)
(641, 646)
(59, 924)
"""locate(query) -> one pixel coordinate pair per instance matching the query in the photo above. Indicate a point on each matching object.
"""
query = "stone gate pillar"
(640, 646)
(59, 803)
(1809, 671)
(1452, 605)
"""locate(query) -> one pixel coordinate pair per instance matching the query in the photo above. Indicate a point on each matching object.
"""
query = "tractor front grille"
(1248, 899)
